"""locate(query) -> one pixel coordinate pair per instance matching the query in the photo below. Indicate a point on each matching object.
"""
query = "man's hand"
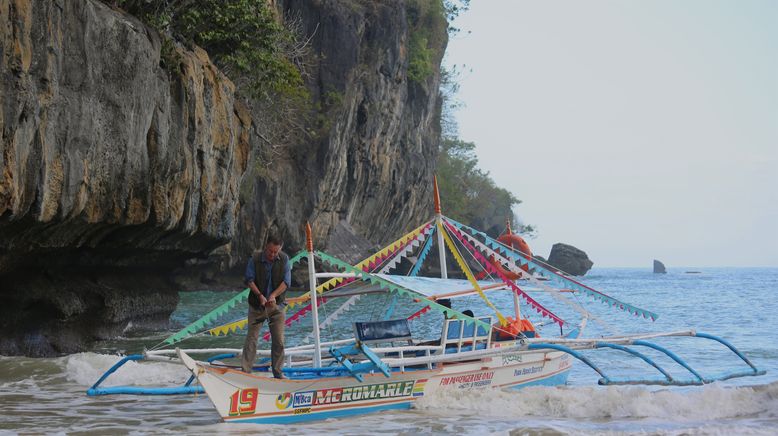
(270, 303)
(255, 290)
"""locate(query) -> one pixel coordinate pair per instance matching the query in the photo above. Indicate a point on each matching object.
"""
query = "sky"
(633, 130)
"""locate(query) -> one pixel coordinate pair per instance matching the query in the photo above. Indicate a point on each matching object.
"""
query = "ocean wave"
(86, 368)
(612, 402)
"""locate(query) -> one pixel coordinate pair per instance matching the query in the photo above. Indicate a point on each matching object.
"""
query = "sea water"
(739, 304)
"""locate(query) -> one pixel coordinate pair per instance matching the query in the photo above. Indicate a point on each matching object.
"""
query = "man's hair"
(275, 240)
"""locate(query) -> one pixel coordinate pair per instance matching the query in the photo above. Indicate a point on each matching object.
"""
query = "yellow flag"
(469, 274)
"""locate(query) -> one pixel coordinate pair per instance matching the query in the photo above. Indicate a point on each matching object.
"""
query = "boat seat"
(395, 330)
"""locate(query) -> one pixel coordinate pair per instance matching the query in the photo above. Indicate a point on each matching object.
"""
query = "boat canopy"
(487, 263)
(427, 286)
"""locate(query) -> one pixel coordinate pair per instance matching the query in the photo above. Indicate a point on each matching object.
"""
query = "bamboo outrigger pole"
(439, 223)
(314, 304)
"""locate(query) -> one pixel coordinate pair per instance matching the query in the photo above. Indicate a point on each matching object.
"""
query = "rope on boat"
(401, 290)
(397, 248)
(423, 254)
(389, 261)
(370, 262)
(333, 316)
(210, 317)
(537, 306)
(553, 291)
(554, 277)
(469, 274)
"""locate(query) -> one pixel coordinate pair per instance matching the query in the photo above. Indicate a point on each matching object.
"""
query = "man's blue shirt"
(251, 274)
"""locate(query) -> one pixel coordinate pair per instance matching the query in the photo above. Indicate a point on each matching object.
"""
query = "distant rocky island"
(568, 259)
(659, 267)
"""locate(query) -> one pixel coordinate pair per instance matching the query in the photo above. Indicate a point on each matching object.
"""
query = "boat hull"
(257, 398)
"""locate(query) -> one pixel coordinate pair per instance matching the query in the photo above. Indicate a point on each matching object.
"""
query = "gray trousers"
(276, 320)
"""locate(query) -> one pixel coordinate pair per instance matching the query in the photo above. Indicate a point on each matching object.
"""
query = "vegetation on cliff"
(242, 37)
(429, 23)
(471, 196)
(266, 57)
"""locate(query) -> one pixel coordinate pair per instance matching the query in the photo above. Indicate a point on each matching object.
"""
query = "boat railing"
(401, 357)
(457, 334)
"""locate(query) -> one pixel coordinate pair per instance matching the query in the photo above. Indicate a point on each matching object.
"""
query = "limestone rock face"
(109, 168)
(97, 139)
(373, 168)
(116, 172)
(569, 259)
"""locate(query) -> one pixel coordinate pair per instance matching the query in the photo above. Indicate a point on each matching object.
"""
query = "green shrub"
(470, 195)
(420, 65)
(427, 27)
(242, 37)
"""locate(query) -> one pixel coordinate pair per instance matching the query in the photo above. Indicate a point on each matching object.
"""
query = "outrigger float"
(381, 366)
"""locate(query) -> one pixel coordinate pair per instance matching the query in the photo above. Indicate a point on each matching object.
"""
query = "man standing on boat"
(268, 275)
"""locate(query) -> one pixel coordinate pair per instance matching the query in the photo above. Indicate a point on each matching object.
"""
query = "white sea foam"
(86, 368)
(704, 403)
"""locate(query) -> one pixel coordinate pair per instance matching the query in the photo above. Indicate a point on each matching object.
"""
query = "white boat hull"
(258, 398)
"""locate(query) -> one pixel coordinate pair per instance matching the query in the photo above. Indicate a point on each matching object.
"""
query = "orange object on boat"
(514, 327)
(510, 275)
(517, 242)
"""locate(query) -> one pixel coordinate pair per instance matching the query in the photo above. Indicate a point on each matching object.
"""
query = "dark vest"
(260, 277)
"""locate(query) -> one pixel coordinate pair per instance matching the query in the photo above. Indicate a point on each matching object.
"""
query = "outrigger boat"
(381, 366)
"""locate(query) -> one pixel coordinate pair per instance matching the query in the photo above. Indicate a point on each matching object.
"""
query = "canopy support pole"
(439, 222)
(516, 305)
(314, 303)
(516, 302)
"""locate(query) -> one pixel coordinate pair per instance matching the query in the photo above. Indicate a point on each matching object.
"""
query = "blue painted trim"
(116, 366)
(376, 360)
(313, 370)
(571, 352)
(316, 416)
(211, 359)
(221, 356)
(138, 390)
(637, 354)
(671, 355)
(187, 388)
(730, 346)
(657, 381)
(423, 255)
(340, 356)
(555, 380)
(736, 374)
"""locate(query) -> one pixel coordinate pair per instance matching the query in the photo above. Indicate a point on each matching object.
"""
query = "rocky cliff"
(371, 173)
(115, 172)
